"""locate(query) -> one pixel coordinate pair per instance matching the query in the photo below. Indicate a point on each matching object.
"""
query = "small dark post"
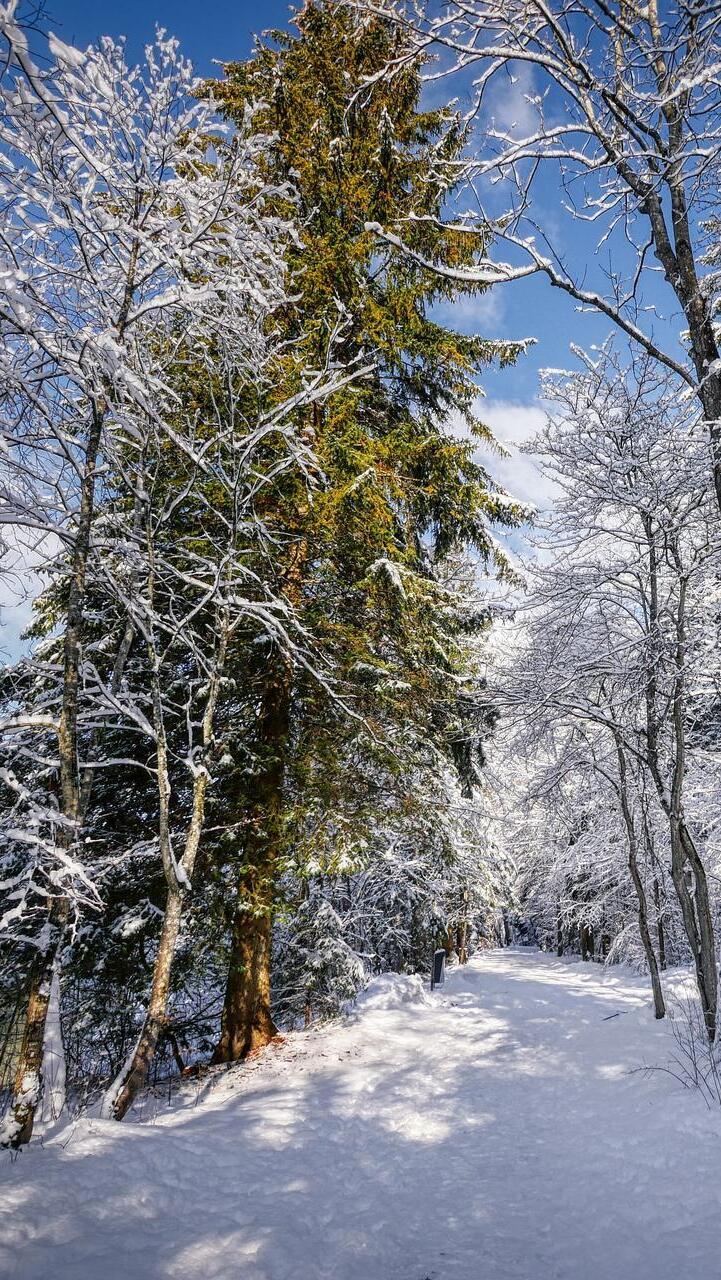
(438, 968)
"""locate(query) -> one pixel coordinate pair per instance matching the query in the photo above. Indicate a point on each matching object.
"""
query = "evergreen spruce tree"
(360, 563)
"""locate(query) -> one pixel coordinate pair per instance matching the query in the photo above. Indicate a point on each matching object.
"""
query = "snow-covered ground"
(489, 1130)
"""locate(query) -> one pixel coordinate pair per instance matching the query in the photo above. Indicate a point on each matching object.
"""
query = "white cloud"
(20, 583)
(514, 109)
(14, 618)
(513, 424)
(473, 313)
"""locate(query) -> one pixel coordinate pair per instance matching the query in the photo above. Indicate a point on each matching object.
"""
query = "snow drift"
(389, 991)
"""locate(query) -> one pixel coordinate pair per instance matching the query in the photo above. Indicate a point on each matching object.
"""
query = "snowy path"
(491, 1132)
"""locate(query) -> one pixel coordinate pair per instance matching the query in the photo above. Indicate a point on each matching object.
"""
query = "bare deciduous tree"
(619, 112)
(133, 230)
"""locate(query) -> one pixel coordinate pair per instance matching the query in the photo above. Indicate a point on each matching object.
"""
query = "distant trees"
(614, 107)
(621, 621)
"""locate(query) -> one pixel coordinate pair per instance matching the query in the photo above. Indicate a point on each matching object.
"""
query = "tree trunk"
(17, 1126)
(462, 942)
(696, 913)
(246, 1021)
(124, 1089)
(628, 817)
(127, 1085)
(695, 909)
(658, 900)
(29, 1075)
(658, 1000)
(660, 931)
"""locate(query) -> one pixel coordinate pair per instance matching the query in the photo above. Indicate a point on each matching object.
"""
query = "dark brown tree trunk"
(695, 906)
(246, 1022)
(586, 939)
(658, 1000)
(247, 1019)
(172, 1041)
(658, 899)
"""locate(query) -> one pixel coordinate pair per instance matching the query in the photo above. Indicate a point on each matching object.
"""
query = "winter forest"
(320, 672)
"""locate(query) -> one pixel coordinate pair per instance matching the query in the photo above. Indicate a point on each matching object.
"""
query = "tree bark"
(660, 931)
(658, 1000)
(696, 913)
(17, 1127)
(659, 899)
(695, 907)
(246, 1021)
(134, 1075)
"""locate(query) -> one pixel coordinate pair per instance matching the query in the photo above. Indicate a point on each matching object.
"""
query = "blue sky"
(220, 30)
(223, 30)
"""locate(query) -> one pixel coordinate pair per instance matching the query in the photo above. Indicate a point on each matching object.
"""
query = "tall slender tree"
(360, 562)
